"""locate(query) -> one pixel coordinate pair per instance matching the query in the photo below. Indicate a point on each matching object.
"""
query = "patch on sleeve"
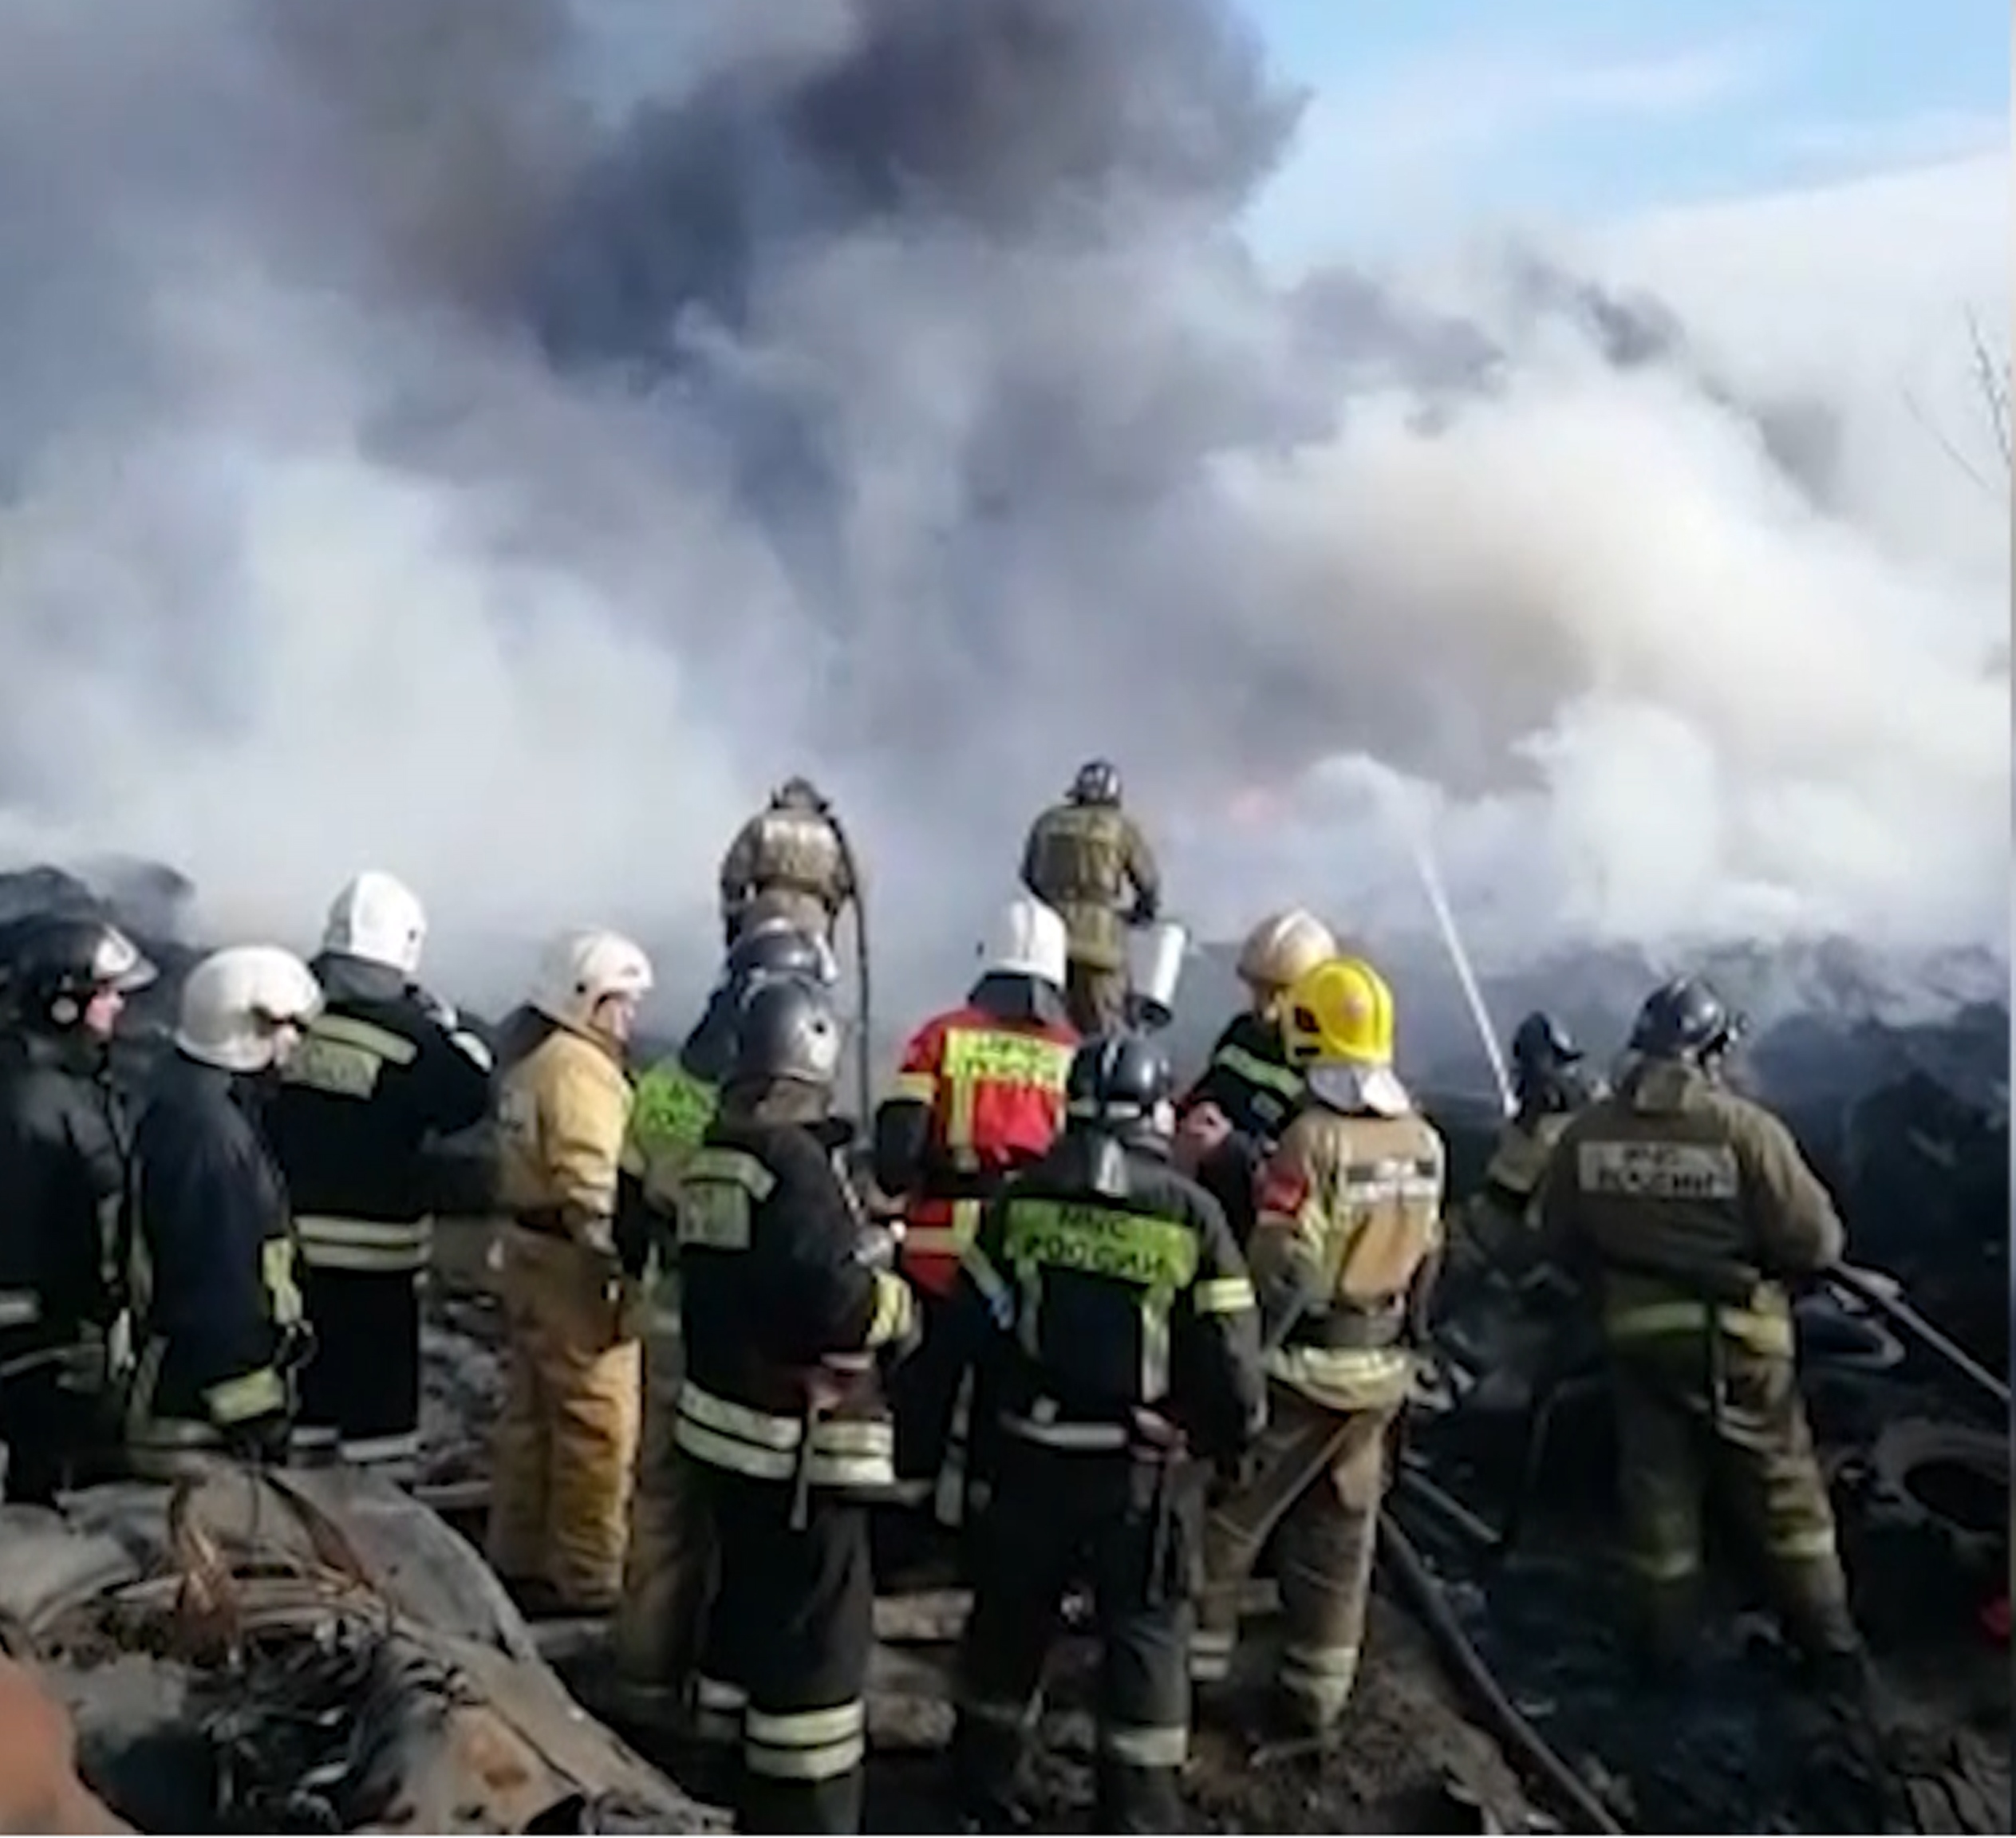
(1283, 1189)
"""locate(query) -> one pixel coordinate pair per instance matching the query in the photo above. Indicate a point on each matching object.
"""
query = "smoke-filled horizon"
(407, 463)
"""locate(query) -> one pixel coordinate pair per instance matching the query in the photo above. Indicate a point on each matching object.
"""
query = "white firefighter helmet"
(379, 918)
(1029, 940)
(237, 1001)
(1283, 949)
(582, 968)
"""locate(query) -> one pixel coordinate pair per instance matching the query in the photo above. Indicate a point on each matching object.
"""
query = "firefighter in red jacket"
(980, 1094)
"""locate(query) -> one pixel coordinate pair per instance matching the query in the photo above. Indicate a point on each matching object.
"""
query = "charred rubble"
(305, 1653)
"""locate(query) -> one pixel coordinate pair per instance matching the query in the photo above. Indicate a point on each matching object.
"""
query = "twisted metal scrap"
(206, 1608)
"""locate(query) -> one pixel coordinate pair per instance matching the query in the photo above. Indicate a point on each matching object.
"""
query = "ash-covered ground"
(1910, 1124)
(1741, 1744)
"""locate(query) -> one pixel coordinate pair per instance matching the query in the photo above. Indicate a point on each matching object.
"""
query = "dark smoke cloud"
(409, 461)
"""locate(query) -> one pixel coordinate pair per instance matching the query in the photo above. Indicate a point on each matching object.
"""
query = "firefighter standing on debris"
(220, 1328)
(66, 1143)
(383, 1071)
(667, 1568)
(980, 1092)
(787, 1306)
(1088, 858)
(791, 862)
(1248, 1093)
(566, 1441)
(1688, 1209)
(1350, 1210)
(1127, 1357)
(1502, 1223)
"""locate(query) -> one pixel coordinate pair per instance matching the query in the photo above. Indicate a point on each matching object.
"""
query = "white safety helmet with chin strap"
(236, 1001)
(379, 918)
(582, 968)
(1283, 948)
(1029, 940)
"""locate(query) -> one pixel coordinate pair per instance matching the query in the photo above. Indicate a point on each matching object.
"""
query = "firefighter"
(667, 1568)
(383, 1070)
(1688, 1209)
(790, 861)
(1247, 1093)
(787, 1307)
(1500, 1241)
(221, 1330)
(66, 1143)
(566, 1441)
(980, 1093)
(1127, 1358)
(1089, 859)
(1350, 1207)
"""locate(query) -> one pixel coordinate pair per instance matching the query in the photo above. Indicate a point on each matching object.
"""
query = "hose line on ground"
(1424, 1595)
(1900, 1313)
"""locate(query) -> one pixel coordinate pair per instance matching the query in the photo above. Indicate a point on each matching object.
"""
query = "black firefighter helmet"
(1098, 782)
(798, 793)
(1119, 1082)
(788, 1029)
(1542, 1048)
(1684, 1019)
(55, 965)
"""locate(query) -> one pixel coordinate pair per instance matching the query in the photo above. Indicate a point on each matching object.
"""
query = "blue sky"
(1429, 115)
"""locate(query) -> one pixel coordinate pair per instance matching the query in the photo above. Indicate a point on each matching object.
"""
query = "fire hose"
(1872, 1291)
(1417, 1583)
(863, 1046)
(1438, 897)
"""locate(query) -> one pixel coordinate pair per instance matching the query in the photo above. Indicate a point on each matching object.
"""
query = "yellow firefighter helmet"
(1341, 1013)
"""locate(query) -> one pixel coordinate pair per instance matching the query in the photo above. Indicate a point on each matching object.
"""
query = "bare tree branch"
(1993, 385)
(1973, 473)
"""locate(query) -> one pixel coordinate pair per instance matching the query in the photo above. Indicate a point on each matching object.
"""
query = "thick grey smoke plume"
(410, 460)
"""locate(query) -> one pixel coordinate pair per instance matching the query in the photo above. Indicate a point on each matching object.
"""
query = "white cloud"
(1925, 137)
(1860, 294)
(1788, 714)
(1399, 145)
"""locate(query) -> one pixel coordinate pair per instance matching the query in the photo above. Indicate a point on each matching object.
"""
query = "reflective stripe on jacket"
(374, 1247)
(846, 1451)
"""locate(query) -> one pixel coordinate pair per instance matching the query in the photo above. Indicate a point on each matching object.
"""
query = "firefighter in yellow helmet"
(566, 1441)
(1249, 1092)
(1350, 1210)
